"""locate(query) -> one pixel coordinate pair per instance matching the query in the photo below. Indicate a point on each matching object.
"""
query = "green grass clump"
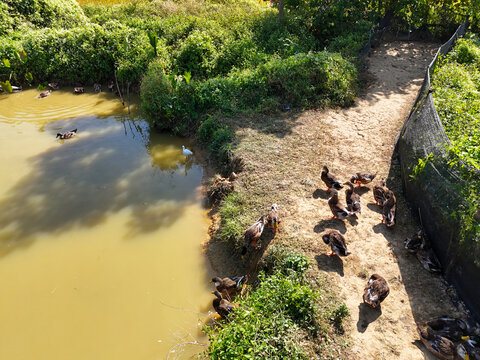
(279, 315)
(233, 219)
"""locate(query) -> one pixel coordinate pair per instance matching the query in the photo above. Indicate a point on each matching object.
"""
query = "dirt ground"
(284, 159)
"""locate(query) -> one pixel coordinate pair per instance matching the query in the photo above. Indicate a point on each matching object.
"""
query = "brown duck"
(330, 180)
(376, 291)
(229, 287)
(389, 209)
(44, 94)
(67, 135)
(222, 306)
(252, 234)
(337, 243)
(362, 178)
(353, 200)
(338, 210)
(379, 193)
(440, 346)
(272, 218)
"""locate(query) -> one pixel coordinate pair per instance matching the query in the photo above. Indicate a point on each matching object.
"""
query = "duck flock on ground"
(447, 338)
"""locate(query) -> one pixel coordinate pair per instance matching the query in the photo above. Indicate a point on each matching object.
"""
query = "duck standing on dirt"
(67, 135)
(338, 210)
(272, 218)
(229, 287)
(330, 180)
(389, 209)
(379, 193)
(252, 234)
(440, 346)
(222, 306)
(353, 200)
(337, 243)
(376, 291)
(362, 178)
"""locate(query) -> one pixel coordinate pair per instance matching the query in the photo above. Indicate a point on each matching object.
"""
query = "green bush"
(301, 80)
(466, 51)
(456, 87)
(217, 137)
(43, 13)
(276, 319)
(456, 93)
(87, 54)
(196, 55)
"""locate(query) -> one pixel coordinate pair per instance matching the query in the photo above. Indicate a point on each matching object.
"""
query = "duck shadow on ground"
(253, 256)
(374, 207)
(320, 194)
(361, 190)
(330, 263)
(335, 224)
(367, 315)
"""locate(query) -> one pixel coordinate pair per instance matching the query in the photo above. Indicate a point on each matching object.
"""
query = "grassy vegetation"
(284, 311)
(456, 86)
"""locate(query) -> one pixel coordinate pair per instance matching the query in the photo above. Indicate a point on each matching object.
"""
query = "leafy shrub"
(279, 259)
(456, 93)
(217, 137)
(44, 13)
(466, 51)
(87, 54)
(301, 80)
(279, 315)
(196, 55)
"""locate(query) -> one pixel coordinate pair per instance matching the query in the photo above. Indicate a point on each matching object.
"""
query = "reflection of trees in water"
(82, 181)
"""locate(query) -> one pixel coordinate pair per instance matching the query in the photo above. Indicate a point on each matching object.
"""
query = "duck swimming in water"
(67, 135)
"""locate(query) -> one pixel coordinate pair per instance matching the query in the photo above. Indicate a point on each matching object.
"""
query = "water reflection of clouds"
(109, 167)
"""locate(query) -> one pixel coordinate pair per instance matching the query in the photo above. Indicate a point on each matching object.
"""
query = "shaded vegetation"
(279, 315)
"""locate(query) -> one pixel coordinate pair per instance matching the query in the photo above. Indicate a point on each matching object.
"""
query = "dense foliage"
(283, 311)
(25, 14)
(456, 90)
(456, 86)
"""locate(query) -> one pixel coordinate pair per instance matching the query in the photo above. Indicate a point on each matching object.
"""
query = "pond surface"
(100, 235)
